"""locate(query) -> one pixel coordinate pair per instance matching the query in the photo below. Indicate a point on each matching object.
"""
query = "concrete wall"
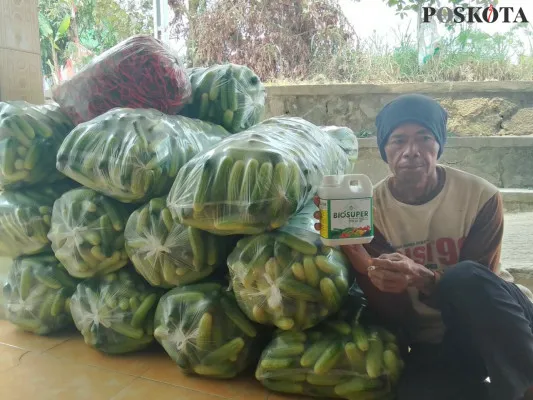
(507, 162)
(475, 108)
(20, 52)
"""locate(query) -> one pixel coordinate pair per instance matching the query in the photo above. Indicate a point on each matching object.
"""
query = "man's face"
(412, 153)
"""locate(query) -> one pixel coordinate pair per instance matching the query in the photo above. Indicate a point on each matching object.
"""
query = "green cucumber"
(202, 190)
(196, 239)
(220, 183)
(127, 330)
(141, 312)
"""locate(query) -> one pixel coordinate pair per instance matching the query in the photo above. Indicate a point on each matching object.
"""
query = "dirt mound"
(480, 116)
(520, 123)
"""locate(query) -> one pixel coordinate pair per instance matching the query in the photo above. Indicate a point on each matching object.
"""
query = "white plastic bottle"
(346, 210)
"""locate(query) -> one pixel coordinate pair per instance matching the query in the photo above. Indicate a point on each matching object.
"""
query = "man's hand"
(394, 273)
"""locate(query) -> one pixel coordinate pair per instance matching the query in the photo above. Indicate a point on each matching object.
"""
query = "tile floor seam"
(96, 366)
(13, 346)
(22, 355)
(186, 388)
(88, 365)
(124, 388)
(54, 346)
(18, 363)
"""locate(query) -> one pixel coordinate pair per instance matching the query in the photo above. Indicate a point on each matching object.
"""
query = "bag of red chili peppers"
(140, 72)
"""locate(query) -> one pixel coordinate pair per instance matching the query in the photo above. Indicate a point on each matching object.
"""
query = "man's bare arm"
(391, 307)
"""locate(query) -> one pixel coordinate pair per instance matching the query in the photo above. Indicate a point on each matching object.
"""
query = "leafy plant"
(77, 30)
(53, 38)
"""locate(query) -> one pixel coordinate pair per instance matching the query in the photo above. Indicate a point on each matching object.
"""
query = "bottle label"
(347, 218)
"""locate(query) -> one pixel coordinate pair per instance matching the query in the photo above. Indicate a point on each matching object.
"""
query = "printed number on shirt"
(435, 254)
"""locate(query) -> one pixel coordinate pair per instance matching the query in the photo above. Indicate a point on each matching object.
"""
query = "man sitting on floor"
(432, 267)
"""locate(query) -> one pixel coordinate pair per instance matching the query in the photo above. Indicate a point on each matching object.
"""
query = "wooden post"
(20, 53)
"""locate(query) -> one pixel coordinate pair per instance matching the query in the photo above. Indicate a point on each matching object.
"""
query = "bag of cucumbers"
(168, 254)
(336, 359)
(230, 95)
(287, 278)
(30, 136)
(87, 233)
(133, 155)
(115, 312)
(254, 181)
(25, 217)
(203, 330)
(347, 139)
(37, 294)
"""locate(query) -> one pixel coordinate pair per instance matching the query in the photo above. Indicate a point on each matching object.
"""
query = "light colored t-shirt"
(433, 234)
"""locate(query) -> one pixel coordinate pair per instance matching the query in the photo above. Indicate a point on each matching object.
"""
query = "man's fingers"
(384, 276)
(388, 286)
(316, 215)
(316, 200)
(318, 226)
(391, 256)
(398, 266)
(382, 263)
(391, 272)
(388, 281)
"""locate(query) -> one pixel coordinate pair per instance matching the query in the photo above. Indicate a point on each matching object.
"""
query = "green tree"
(93, 27)
(52, 40)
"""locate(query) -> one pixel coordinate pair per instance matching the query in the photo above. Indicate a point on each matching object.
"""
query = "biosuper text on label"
(350, 214)
(473, 15)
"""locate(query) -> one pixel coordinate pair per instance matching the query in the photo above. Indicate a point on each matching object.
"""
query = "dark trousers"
(489, 333)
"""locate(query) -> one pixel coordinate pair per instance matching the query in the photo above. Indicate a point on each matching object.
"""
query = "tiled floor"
(64, 368)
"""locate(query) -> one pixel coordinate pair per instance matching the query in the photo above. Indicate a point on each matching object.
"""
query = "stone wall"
(475, 108)
(507, 162)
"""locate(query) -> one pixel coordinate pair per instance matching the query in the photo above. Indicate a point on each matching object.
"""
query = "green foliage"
(54, 21)
(63, 27)
(95, 26)
(106, 23)
(466, 55)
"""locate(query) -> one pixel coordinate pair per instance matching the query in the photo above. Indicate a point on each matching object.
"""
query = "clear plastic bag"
(203, 330)
(287, 278)
(30, 136)
(230, 95)
(347, 140)
(115, 312)
(336, 359)
(254, 181)
(25, 218)
(139, 72)
(87, 233)
(133, 155)
(168, 254)
(5, 264)
(37, 294)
